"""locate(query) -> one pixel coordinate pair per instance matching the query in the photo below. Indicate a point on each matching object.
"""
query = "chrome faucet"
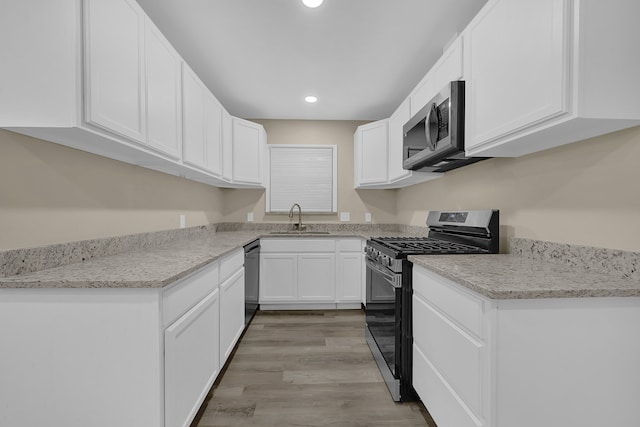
(298, 226)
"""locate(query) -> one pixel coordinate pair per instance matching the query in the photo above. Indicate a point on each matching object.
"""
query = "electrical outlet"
(249, 216)
(367, 217)
(183, 221)
(344, 216)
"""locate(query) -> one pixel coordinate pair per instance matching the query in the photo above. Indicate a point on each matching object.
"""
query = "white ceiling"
(361, 58)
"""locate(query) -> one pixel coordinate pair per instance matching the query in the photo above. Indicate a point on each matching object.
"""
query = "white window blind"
(303, 174)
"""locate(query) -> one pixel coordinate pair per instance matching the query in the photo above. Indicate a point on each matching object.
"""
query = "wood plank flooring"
(309, 368)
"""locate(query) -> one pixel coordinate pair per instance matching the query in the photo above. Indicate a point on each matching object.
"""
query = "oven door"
(383, 322)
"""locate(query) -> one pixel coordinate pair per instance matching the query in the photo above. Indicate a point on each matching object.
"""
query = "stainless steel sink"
(298, 232)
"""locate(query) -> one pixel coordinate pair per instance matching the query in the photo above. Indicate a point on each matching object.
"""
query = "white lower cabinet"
(308, 273)
(316, 277)
(349, 270)
(449, 351)
(231, 314)
(191, 313)
(526, 363)
(119, 357)
(231, 302)
(278, 276)
(191, 360)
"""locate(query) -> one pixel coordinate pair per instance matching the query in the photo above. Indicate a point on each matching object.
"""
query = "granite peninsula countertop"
(518, 277)
(153, 267)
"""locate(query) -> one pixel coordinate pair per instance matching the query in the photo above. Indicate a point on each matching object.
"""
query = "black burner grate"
(426, 245)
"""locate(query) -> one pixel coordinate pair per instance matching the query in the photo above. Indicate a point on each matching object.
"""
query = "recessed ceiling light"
(310, 99)
(312, 3)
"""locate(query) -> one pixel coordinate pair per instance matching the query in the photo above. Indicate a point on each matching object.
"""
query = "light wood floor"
(306, 369)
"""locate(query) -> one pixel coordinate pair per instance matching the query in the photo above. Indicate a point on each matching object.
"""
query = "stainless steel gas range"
(389, 329)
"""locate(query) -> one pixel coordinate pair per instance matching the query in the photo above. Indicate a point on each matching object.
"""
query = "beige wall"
(586, 193)
(54, 194)
(380, 203)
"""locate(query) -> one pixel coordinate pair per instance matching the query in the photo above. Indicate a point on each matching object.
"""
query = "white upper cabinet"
(100, 77)
(202, 144)
(378, 154)
(398, 176)
(249, 140)
(193, 94)
(213, 133)
(114, 61)
(447, 68)
(378, 150)
(370, 144)
(546, 73)
(227, 146)
(164, 103)
(396, 122)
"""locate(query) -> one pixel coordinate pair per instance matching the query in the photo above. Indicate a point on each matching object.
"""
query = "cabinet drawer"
(460, 306)
(349, 245)
(456, 355)
(191, 360)
(230, 264)
(187, 292)
(297, 245)
(443, 405)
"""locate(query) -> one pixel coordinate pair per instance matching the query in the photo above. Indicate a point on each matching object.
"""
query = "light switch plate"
(249, 216)
(183, 221)
(367, 217)
(344, 216)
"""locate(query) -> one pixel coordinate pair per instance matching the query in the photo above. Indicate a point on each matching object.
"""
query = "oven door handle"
(392, 278)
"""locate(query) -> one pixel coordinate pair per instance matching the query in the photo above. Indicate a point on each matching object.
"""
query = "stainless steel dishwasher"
(251, 279)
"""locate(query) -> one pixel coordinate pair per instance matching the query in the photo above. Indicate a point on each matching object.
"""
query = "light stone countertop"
(533, 273)
(152, 267)
(517, 277)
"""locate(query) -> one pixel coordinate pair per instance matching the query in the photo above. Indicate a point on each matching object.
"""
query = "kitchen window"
(303, 174)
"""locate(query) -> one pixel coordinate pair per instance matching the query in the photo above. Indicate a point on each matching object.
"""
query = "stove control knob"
(389, 261)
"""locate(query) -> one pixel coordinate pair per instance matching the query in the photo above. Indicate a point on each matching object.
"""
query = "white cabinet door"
(227, 145)
(516, 67)
(396, 136)
(449, 349)
(114, 67)
(193, 142)
(191, 360)
(278, 277)
(371, 153)
(164, 103)
(449, 66)
(423, 92)
(316, 277)
(446, 69)
(248, 142)
(231, 313)
(349, 278)
(213, 133)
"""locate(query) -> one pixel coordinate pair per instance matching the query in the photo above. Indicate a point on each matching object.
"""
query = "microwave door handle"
(431, 127)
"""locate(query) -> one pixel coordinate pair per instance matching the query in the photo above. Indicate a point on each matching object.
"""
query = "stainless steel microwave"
(434, 137)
